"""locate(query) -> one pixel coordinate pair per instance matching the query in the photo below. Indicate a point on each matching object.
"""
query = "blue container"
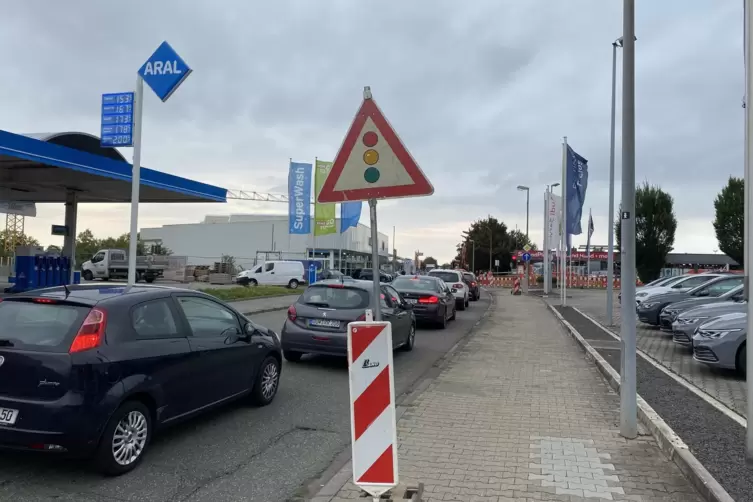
(56, 271)
(48, 260)
(24, 273)
(76, 277)
(65, 271)
(41, 269)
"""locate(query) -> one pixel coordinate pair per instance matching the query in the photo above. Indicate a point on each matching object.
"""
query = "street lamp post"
(473, 256)
(610, 257)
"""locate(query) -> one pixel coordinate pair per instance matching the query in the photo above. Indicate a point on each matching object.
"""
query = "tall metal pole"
(628, 412)
(138, 100)
(375, 260)
(528, 200)
(749, 210)
(491, 237)
(610, 221)
(563, 268)
(546, 241)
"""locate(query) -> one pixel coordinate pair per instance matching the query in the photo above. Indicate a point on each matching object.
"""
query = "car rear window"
(446, 276)
(39, 326)
(335, 297)
(422, 283)
(469, 277)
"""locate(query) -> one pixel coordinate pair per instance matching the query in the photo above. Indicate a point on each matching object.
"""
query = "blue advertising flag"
(299, 197)
(350, 213)
(577, 182)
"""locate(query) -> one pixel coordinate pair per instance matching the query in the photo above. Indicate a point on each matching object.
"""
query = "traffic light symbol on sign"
(371, 157)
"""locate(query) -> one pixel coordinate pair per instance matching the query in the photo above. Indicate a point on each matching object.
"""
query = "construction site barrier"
(573, 281)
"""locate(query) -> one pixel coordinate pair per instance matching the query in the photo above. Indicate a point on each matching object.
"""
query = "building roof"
(700, 259)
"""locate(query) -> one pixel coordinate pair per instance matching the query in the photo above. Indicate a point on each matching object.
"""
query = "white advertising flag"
(554, 208)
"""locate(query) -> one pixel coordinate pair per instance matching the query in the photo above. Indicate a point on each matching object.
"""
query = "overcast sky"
(481, 93)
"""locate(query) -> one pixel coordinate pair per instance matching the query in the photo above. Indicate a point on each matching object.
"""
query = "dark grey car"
(650, 309)
(317, 322)
(673, 310)
(431, 298)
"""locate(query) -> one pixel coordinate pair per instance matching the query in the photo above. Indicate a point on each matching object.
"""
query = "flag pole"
(563, 284)
(588, 258)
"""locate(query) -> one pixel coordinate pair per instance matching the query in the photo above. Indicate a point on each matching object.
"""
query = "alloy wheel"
(129, 439)
(270, 378)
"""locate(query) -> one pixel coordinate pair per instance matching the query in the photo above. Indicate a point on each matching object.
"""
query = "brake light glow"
(43, 300)
(361, 317)
(430, 299)
(92, 331)
(336, 286)
(292, 314)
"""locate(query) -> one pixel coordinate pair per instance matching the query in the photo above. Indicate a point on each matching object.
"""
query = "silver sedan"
(721, 342)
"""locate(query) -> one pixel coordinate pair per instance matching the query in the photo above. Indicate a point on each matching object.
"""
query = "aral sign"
(164, 71)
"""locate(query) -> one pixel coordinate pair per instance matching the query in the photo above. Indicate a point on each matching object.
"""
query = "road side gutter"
(669, 442)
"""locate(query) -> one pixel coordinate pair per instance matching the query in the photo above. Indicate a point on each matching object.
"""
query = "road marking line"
(729, 412)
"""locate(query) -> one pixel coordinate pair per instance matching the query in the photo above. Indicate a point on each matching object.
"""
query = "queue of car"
(95, 371)
(709, 318)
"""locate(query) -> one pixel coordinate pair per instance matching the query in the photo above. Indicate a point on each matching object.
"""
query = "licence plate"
(329, 323)
(410, 300)
(8, 416)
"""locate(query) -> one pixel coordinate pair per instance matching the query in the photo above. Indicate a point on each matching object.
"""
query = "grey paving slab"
(520, 414)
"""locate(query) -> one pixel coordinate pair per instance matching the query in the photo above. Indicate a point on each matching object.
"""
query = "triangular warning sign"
(373, 163)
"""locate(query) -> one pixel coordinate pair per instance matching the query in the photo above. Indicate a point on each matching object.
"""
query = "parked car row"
(710, 319)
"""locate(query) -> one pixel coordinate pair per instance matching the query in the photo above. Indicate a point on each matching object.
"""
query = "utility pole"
(749, 209)
(628, 405)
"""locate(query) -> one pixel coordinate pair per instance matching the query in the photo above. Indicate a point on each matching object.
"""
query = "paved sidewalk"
(519, 414)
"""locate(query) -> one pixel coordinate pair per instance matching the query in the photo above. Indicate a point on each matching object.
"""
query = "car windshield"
(41, 326)
(417, 282)
(335, 297)
(446, 276)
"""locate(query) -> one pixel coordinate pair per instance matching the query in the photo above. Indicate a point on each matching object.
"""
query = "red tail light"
(337, 286)
(361, 317)
(430, 299)
(292, 314)
(43, 300)
(91, 332)
(458, 286)
(473, 284)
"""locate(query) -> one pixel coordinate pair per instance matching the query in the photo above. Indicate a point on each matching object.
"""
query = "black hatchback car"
(317, 322)
(94, 370)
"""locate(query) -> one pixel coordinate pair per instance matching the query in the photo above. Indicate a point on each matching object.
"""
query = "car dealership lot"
(238, 452)
(724, 386)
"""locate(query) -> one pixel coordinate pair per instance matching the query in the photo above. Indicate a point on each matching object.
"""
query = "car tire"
(87, 275)
(411, 341)
(267, 382)
(467, 303)
(252, 283)
(243, 281)
(454, 314)
(292, 356)
(293, 284)
(135, 419)
(461, 305)
(443, 322)
(741, 359)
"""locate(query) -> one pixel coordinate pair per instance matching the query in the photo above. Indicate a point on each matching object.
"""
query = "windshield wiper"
(6, 343)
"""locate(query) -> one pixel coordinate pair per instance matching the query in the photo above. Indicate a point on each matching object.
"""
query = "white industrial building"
(253, 238)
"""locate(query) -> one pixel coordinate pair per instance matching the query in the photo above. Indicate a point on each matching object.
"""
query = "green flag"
(324, 214)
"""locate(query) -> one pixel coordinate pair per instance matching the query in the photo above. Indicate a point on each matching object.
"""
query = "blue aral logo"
(164, 71)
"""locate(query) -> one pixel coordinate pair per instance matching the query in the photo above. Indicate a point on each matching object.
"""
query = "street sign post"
(526, 256)
(116, 128)
(372, 406)
(372, 164)
(163, 72)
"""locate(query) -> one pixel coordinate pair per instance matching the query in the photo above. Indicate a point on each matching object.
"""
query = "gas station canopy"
(48, 167)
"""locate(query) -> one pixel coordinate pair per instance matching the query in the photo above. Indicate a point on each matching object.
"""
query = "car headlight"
(717, 333)
(648, 305)
(640, 295)
(275, 334)
(691, 320)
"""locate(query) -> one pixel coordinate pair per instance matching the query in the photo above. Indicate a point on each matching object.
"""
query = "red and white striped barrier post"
(372, 406)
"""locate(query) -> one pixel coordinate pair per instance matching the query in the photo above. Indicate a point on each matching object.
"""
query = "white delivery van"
(274, 273)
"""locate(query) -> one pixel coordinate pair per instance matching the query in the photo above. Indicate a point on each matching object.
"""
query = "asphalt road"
(237, 453)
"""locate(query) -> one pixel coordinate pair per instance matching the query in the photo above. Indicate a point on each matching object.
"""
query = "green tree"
(492, 242)
(518, 239)
(430, 260)
(729, 223)
(53, 249)
(21, 240)
(86, 246)
(655, 227)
